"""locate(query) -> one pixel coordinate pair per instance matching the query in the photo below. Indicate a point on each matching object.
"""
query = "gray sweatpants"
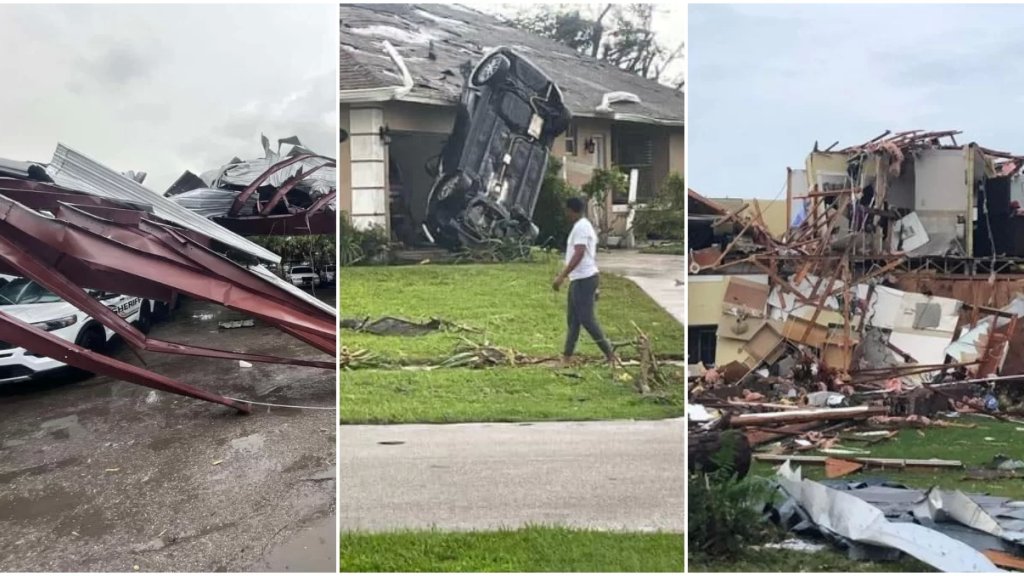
(582, 295)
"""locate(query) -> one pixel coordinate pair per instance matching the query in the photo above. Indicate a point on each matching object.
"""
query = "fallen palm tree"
(358, 358)
(479, 355)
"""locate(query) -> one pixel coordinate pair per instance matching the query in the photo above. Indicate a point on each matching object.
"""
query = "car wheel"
(145, 321)
(491, 70)
(92, 338)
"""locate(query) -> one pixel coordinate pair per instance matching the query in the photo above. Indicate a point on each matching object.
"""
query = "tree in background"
(604, 184)
(664, 218)
(317, 250)
(620, 34)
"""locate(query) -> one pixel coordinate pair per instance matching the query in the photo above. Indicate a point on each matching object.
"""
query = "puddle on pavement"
(65, 428)
(252, 443)
(54, 503)
(7, 477)
(311, 549)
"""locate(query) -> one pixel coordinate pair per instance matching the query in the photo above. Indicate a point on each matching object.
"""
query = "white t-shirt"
(582, 233)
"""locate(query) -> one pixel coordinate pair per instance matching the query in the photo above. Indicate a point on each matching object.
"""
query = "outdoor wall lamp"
(385, 134)
(589, 146)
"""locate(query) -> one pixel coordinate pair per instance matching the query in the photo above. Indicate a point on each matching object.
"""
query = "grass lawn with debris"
(512, 305)
(496, 395)
(533, 549)
(975, 447)
(672, 249)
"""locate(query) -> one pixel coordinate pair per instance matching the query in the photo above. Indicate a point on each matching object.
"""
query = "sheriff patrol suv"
(30, 302)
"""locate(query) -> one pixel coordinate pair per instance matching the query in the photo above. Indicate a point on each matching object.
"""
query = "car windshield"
(25, 291)
(302, 270)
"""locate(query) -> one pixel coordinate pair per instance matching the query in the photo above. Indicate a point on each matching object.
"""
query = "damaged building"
(402, 70)
(286, 193)
(890, 299)
(927, 225)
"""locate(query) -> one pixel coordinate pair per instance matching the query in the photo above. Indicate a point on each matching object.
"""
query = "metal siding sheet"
(74, 170)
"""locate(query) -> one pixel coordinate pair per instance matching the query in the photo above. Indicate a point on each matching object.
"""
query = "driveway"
(620, 475)
(659, 275)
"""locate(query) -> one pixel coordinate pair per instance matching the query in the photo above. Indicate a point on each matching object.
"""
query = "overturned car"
(490, 171)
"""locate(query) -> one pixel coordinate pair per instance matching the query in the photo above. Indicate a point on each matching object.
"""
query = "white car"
(303, 276)
(30, 302)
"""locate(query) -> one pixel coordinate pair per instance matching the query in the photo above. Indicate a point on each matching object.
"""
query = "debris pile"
(888, 300)
(75, 226)
(892, 300)
(293, 193)
(949, 530)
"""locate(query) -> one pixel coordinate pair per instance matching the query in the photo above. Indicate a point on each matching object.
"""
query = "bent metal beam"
(99, 243)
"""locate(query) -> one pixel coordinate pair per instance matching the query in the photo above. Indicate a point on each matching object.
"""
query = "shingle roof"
(356, 76)
(459, 35)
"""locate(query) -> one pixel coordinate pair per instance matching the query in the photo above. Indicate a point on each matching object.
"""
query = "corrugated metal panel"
(211, 202)
(73, 169)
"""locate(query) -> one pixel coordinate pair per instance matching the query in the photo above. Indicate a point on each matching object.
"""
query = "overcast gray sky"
(163, 89)
(765, 82)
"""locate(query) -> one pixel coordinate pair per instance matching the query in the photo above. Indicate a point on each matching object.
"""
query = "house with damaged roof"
(402, 69)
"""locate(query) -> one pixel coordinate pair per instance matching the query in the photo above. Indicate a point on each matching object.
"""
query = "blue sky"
(765, 82)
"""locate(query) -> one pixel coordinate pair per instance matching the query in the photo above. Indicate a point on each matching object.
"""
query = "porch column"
(369, 168)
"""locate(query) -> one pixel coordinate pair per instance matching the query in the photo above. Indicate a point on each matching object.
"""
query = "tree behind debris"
(664, 218)
(620, 34)
(317, 250)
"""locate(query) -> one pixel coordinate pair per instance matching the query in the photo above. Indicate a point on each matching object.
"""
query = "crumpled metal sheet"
(244, 172)
(841, 514)
(212, 202)
(74, 170)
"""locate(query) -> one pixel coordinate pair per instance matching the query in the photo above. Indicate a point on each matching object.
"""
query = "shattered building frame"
(901, 261)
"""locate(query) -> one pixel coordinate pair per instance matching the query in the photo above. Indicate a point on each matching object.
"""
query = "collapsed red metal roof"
(70, 241)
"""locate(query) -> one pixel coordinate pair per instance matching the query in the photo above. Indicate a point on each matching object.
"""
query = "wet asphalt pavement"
(102, 475)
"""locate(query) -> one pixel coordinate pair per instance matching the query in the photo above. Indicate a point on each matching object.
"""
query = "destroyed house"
(401, 74)
(900, 263)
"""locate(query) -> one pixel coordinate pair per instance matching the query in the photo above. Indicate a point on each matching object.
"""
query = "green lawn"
(496, 395)
(535, 549)
(512, 304)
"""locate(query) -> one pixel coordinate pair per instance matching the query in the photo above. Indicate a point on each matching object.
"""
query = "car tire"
(93, 338)
(492, 70)
(145, 321)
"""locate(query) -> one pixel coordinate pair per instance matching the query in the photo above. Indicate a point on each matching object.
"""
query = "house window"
(700, 344)
(570, 140)
(634, 149)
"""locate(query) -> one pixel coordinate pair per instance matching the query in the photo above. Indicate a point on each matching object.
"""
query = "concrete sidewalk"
(658, 275)
(619, 475)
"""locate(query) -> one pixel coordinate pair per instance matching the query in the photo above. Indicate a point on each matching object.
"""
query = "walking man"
(581, 270)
